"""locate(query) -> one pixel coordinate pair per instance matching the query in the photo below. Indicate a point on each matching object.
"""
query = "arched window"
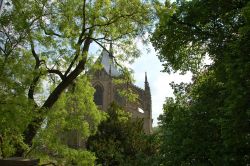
(98, 96)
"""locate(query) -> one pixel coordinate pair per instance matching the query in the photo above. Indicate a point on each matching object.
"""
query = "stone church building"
(107, 91)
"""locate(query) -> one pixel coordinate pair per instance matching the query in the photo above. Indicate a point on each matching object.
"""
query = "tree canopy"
(46, 96)
(120, 140)
(207, 123)
(189, 30)
(45, 45)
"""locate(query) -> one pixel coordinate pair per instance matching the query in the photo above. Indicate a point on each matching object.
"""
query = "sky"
(158, 81)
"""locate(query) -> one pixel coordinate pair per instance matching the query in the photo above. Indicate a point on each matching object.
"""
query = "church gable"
(107, 92)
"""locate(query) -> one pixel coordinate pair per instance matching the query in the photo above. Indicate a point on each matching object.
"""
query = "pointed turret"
(147, 88)
(148, 106)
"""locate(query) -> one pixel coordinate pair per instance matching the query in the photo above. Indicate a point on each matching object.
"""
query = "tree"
(210, 117)
(47, 43)
(120, 140)
(190, 125)
(188, 30)
(70, 122)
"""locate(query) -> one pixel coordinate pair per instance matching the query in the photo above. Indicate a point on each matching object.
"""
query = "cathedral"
(106, 91)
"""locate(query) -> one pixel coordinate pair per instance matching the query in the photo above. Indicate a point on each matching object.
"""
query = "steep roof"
(108, 63)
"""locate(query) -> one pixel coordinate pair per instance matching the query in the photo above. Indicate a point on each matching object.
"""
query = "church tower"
(107, 92)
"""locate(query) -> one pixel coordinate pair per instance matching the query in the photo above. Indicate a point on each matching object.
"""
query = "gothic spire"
(146, 83)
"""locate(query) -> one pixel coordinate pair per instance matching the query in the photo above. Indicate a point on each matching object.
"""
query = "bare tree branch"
(51, 33)
(79, 42)
(100, 44)
(37, 76)
(84, 14)
(95, 40)
(35, 55)
(112, 20)
(72, 63)
(52, 71)
(80, 39)
(59, 73)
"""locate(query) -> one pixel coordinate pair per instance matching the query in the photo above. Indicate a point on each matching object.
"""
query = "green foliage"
(73, 117)
(190, 125)
(15, 108)
(124, 89)
(208, 121)
(44, 48)
(187, 30)
(121, 140)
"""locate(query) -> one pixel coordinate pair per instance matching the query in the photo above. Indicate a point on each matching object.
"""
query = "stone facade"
(107, 92)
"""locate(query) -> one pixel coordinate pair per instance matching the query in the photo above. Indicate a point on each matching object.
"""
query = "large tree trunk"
(34, 126)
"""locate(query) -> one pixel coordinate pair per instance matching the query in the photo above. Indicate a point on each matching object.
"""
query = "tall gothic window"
(98, 96)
